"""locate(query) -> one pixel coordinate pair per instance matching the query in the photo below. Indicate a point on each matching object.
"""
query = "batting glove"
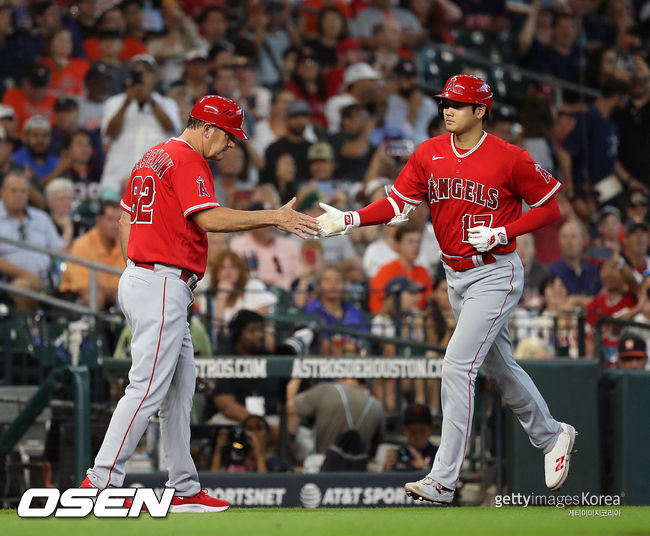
(334, 222)
(485, 238)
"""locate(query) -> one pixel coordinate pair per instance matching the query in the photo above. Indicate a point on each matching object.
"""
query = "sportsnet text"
(80, 502)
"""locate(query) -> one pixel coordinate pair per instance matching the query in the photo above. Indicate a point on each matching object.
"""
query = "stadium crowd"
(337, 94)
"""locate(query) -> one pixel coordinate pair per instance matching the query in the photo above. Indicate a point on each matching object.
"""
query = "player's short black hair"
(194, 124)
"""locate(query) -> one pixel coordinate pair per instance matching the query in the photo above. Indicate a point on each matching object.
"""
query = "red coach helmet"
(469, 89)
(220, 112)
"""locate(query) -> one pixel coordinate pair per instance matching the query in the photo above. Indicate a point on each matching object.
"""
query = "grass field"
(483, 521)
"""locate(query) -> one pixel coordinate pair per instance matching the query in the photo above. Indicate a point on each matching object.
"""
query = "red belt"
(460, 264)
(184, 275)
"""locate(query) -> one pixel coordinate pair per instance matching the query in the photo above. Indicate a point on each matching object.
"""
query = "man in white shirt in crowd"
(134, 121)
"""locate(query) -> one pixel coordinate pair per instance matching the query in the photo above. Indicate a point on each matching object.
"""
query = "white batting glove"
(485, 238)
(335, 222)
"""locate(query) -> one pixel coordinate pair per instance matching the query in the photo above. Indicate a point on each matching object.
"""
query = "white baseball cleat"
(556, 462)
(428, 489)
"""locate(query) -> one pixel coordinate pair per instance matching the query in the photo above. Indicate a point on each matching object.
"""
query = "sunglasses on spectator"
(22, 232)
(642, 201)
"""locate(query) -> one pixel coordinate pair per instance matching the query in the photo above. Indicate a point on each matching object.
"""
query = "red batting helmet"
(220, 112)
(468, 88)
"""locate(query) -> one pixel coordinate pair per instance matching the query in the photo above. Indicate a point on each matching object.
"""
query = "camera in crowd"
(298, 343)
(236, 449)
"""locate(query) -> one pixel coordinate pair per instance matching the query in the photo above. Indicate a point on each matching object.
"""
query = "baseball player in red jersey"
(168, 207)
(474, 184)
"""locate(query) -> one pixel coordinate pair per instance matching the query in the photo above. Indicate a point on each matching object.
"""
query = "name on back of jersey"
(156, 159)
(462, 189)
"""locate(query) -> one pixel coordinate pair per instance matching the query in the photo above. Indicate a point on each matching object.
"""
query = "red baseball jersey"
(170, 182)
(464, 189)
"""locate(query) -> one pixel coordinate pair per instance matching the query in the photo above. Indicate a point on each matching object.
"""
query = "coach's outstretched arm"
(228, 220)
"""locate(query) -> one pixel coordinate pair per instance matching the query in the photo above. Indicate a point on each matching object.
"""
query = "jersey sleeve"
(194, 187)
(126, 203)
(411, 184)
(532, 182)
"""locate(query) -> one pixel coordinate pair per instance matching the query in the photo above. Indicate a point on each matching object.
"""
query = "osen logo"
(310, 496)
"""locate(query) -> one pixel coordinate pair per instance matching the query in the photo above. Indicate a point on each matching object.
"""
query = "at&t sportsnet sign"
(295, 490)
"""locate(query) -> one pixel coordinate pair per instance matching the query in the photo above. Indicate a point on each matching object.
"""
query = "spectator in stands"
(213, 24)
(8, 123)
(67, 72)
(617, 298)
(635, 248)
(91, 105)
(236, 399)
(481, 16)
(418, 453)
(59, 197)
(560, 58)
(133, 13)
(380, 10)
(361, 87)
(330, 306)
(436, 18)
(293, 142)
(14, 54)
(632, 353)
(46, 20)
(35, 153)
(579, 277)
(134, 121)
(195, 75)
(66, 122)
(632, 122)
(332, 27)
(102, 245)
(312, 264)
(268, 27)
(32, 97)
(307, 84)
(609, 226)
(351, 145)
(348, 51)
(179, 36)
(325, 404)
(254, 97)
(443, 321)
(593, 145)
(321, 169)
(230, 173)
(275, 125)
(387, 37)
(538, 121)
(5, 152)
(272, 258)
(636, 206)
(534, 272)
(111, 18)
(225, 81)
(407, 243)
(409, 108)
(81, 167)
(236, 290)
(253, 456)
(401, 305)
(110, 46)
(25, 269)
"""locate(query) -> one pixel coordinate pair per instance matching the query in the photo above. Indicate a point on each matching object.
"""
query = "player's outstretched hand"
(485, 238)
(333, 221)
(297, 223)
